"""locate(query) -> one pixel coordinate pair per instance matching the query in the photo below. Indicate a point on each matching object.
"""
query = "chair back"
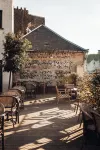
(69, 86)
(96, 118)
(86, 115)
(30, 86)
(8, 101)
(12, 92)
(20, 88)
(2, 109)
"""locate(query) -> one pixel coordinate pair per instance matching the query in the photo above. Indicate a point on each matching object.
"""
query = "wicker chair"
(21, 90)
(11, 105)
(14, 93)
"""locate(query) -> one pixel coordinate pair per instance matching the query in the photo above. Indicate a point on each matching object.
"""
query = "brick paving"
(44, 125)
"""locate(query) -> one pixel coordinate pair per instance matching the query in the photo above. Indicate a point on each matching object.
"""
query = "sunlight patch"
(21, 130)
(42, 124)
(39, 142)
(40, 149)
(44, 140)
(72, 132)
(69, 114)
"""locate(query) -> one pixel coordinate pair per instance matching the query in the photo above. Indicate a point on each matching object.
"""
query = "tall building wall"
(7, 20)
(22, 18)
(7, 25)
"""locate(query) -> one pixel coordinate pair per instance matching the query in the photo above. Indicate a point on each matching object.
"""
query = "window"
(0, 18)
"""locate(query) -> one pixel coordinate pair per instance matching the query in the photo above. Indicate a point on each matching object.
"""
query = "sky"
(76, 20)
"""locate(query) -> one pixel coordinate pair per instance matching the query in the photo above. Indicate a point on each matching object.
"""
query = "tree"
(15, 53)
(95, 87)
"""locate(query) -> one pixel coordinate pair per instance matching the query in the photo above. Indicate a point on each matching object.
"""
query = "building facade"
(52, 56)
(93, 62)
(6, 26)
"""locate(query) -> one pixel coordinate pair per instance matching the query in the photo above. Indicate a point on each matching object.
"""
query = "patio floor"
(44, 125)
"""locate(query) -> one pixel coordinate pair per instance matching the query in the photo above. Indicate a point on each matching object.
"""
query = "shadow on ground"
(46, 126)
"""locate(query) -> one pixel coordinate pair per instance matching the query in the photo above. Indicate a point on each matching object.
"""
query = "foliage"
(71, 79)
(84, 88)
(89, 88)
(95, 88)
(15, 53)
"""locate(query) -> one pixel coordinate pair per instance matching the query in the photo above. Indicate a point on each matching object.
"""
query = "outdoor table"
(34, 81)
(72, 90)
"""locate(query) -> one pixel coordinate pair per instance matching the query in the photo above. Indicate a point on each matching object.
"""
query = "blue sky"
(75, 20)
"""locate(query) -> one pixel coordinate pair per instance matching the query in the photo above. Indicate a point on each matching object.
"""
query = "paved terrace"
(44, 125)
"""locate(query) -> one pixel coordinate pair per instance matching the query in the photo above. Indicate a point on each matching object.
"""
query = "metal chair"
(30, 89)
(96, 118)
(62, 94)
(89, 129)
(2, 111)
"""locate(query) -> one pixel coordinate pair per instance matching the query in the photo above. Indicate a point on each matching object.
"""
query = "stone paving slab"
(44, 125)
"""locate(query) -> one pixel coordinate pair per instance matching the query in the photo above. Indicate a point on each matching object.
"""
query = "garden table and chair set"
(11, 102)
(69, 92)
(89, 113)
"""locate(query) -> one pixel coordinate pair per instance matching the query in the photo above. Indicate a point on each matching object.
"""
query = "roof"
(43, 38)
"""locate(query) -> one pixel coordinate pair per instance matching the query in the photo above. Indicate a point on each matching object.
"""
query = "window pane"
(0, 18)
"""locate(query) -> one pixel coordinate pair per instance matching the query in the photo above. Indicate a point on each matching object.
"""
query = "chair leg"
(22, 102)
(77, 108)
(82, 146)
(2, 134)
(7, 116)
(18, 117)
(13, 121)
(57, 100)
(80, 123)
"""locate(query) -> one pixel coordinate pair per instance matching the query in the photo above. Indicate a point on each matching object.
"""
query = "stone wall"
(22, 18)
(52, 67)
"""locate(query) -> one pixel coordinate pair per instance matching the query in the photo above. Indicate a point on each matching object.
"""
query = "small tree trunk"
(9, 80)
